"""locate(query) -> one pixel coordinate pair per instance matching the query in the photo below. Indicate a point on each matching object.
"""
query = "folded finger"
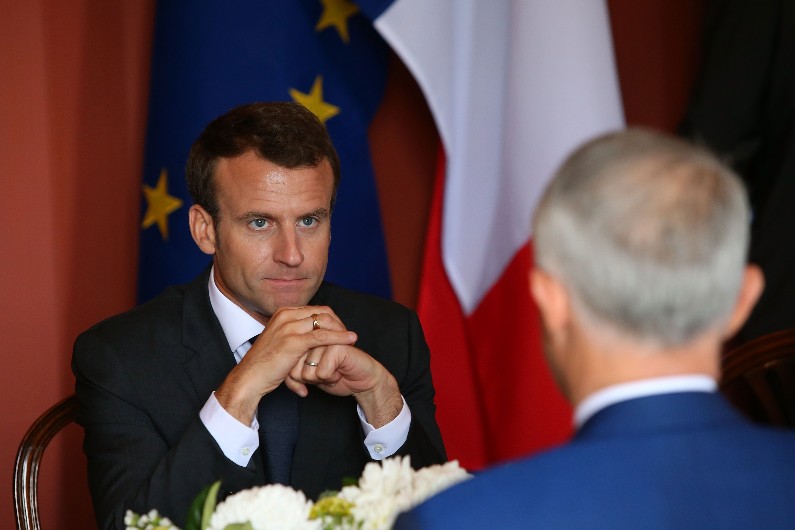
(296, 386)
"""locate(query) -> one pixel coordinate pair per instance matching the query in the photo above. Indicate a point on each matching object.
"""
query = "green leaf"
(209, 505)
(350, 481)
(239, 526)
(196, 519)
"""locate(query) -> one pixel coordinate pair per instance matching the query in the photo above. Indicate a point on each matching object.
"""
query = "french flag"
(514, 86)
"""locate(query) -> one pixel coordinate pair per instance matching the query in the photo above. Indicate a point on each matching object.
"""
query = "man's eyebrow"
(254, 215)
(320, 213)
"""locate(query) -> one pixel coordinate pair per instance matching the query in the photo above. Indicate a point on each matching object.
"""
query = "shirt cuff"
(385, 441)
(237, 441)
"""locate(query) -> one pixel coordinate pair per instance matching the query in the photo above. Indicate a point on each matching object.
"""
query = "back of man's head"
(648, 233)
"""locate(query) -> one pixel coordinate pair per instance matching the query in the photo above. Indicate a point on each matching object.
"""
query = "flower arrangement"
(384, 490)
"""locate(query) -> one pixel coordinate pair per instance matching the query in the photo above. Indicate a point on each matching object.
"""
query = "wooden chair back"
(29, 454)
(758, 377)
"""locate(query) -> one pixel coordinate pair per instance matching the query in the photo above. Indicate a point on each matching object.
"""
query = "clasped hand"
(295, 351)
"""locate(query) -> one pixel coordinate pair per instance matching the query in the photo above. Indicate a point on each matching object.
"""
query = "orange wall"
(73, 86)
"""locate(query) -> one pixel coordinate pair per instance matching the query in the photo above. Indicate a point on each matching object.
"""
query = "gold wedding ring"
(315, 325)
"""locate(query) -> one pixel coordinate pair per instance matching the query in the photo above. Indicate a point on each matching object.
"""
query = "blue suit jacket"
(683, 460)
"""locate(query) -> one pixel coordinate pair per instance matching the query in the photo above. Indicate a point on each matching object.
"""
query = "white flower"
(431, 480)
(272, 507)
(385, 489)
(149, 521)
(392, 487)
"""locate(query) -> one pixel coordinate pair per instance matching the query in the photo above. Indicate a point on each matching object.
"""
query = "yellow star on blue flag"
(336, 13)
(160, 205)
(314, 101)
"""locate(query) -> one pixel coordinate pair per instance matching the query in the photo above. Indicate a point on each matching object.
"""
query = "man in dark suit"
(640, 244)
(257, 371)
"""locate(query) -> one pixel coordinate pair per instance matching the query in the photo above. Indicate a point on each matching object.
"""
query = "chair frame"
(765, 349)
(29, 454)
(751, 364)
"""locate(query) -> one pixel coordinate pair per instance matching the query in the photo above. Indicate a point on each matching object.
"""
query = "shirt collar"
(238, 325)
(635, 389)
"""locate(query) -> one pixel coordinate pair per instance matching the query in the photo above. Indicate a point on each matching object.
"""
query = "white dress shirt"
(238, 441)
(635, 389)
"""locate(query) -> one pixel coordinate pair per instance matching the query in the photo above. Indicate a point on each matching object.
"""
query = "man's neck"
(616, 361)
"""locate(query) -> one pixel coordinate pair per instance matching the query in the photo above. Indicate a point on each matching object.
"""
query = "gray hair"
(649, 234)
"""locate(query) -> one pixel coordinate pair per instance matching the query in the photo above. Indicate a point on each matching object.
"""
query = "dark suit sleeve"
(424, 443)
(138, 460)
(392, 335)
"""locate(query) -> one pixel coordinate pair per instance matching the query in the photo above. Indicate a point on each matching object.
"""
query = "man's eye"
(258, 224)
(307, 221)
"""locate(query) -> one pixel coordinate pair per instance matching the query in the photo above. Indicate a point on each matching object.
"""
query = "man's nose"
(287, 248)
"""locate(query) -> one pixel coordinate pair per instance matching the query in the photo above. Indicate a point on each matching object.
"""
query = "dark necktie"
(278, 431)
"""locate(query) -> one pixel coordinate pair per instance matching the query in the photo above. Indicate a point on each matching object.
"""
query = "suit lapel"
(207, 356)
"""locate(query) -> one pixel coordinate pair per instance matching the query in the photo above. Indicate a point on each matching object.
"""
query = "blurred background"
(76, 97)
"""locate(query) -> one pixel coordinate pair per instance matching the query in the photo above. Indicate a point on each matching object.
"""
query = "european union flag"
(211, 56)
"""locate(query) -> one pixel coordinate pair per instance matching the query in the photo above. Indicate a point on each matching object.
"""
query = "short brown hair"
(286, 134)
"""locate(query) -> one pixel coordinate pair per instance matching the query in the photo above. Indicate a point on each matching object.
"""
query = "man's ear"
(551, 298)
(750, 291)
(202, 228)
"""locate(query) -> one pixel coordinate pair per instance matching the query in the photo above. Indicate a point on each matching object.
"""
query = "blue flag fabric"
(211, 56)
